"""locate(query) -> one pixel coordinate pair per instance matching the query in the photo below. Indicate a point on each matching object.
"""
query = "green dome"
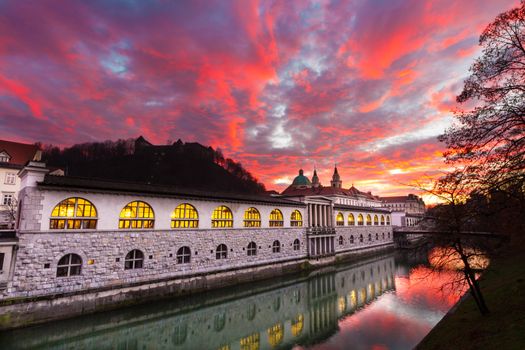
(301, 180)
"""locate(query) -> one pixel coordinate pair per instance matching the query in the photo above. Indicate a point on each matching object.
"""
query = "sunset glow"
(276, 85)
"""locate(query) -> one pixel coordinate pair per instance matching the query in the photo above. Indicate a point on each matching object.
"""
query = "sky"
(276, 85)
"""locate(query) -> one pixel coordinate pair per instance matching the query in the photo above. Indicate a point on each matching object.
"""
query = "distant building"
(13, 157)
(406, 210)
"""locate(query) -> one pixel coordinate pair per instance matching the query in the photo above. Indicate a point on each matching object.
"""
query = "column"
(312, 246)
(309, 215)
(324, 216)
(332, 241)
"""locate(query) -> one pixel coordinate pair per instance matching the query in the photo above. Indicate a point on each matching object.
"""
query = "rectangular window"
(2, 261)
(10, 179)
(7, 199)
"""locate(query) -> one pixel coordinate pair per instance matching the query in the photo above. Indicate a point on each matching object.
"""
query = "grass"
(503, 285)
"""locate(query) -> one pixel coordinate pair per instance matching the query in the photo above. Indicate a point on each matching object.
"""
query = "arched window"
(341, 240)
(369, 237)
(222, 217)
(388, 219)
(296, 219)
(276, 247)
(388, 234)
(376, 220)
(360, 238)
(377, 236)
(73, 214)
(340, 219)
(382, 219)
(134, 260)
(275, 334)
(360, 220)
(252, 218)
(383, 235)
(352, 239)
(252, 249)
(297, 325)
(276, 218)
(219, 322)
(221, 252)
(351, 219)
(368, 219)
(69, 265)
(185, 216)
(183, 255)
(136, 215)
(296, 244)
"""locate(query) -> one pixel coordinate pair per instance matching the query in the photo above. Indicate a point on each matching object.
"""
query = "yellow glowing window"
(224, 347)
(276, 218)
(296, 219)
(353, 299)
(297, 325)
(376, 220)
(136, 215)
(251, 342)
(185, 216)
(342, 304)
(340, 220)
(368, 219)
(252, 218)
(360, 220)
(73, 214)
(351, 219)
(382, 219)
(275, 334)
(222, 217)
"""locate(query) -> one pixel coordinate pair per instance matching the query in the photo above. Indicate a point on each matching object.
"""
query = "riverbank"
(503, 285)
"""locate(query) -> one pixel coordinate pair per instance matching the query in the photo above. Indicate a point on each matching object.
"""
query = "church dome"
(301, 180)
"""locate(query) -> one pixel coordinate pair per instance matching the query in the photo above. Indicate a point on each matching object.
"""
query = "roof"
(20, 153)
(301, 180)
(102, 185)
(291, 191)
(394, 199)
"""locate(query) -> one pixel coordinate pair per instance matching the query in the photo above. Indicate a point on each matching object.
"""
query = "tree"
(488, 140)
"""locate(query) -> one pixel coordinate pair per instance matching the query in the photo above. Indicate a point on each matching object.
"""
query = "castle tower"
(315, 179)
(336, 179)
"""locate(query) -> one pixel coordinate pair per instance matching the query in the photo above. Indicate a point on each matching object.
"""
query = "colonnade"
(321, 245)
(320, 215)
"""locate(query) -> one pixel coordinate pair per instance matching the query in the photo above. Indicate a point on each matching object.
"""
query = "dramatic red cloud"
(277, 85)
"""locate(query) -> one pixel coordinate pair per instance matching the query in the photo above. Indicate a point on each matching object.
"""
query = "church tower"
(336, 179)
(315, 179)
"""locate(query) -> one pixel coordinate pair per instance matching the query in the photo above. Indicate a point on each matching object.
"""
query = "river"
(387, 302)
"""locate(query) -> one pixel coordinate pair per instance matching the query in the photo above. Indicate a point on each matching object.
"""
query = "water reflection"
(375, 303)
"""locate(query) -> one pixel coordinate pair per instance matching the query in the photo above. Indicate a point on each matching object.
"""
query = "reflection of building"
(406, 210)
(305, 312)
(87, 235)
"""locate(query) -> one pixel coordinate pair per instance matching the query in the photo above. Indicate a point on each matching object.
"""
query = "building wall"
(384, 236)
(7, 189)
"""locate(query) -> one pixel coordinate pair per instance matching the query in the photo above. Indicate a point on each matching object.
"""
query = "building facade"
(76, 235)
(406, 210)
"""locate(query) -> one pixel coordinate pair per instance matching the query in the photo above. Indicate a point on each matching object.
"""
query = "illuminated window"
(360, 220)
(342, 304)
(382, 219)
(276, 218)
(275, 334)
(296, 219)
(136, 215)
(368, 219)
(276, 247)
(134, 260)
(251, 342)
(297, 325)
(222, 217)
(69, 265)
(185, 216)
(352, 239)
(340, 220)
(183, 255)
(351, 219)
(252, 218)
(296, 244)
(341, 240)
(73, 214)
(376, 220)
(252, 249)
(221, 252)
